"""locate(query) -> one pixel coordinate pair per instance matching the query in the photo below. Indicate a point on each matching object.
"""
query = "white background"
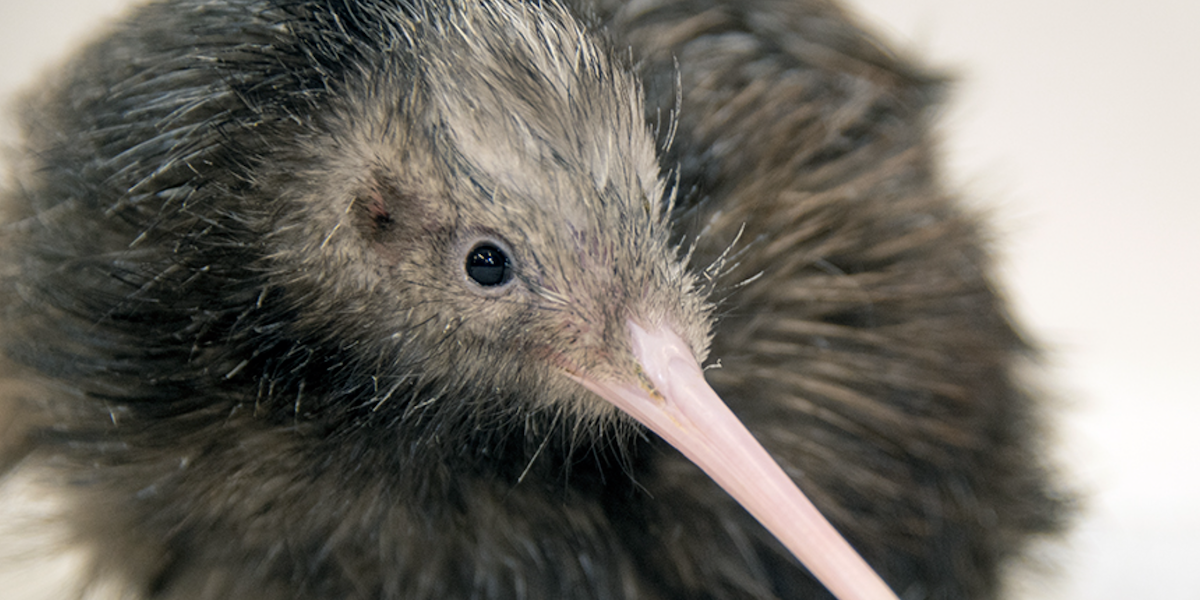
(1077, 123)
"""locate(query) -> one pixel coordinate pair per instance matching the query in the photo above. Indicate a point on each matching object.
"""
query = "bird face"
(506, 219)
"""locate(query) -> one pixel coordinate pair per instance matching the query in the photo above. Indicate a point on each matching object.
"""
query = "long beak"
(675, 402)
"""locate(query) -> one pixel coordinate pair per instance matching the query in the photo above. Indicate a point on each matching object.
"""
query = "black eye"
(488, 266)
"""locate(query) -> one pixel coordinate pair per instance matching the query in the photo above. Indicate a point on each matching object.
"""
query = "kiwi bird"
(409, 299)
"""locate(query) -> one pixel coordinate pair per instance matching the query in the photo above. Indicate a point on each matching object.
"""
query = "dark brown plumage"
(310, 299)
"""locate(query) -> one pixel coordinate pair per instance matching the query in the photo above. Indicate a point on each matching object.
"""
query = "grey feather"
(239, 342)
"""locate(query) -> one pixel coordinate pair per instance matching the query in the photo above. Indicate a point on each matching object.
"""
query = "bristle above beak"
(675, 401)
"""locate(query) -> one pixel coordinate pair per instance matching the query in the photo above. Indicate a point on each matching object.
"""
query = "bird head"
(483, 212)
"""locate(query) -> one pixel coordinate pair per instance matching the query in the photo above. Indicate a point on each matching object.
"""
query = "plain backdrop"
(1076, 123)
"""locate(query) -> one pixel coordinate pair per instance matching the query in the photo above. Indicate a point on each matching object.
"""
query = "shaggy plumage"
(241, 342)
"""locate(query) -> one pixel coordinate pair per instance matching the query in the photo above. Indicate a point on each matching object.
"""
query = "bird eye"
(488, 265)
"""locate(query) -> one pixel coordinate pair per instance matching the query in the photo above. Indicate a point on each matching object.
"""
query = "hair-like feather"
(234, 347)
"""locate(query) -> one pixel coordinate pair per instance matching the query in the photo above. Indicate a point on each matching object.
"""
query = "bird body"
(313, 299)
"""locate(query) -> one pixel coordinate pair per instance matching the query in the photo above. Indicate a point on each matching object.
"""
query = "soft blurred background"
(1077, 124)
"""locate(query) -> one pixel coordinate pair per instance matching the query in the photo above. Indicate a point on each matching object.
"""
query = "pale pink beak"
(676, 403)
